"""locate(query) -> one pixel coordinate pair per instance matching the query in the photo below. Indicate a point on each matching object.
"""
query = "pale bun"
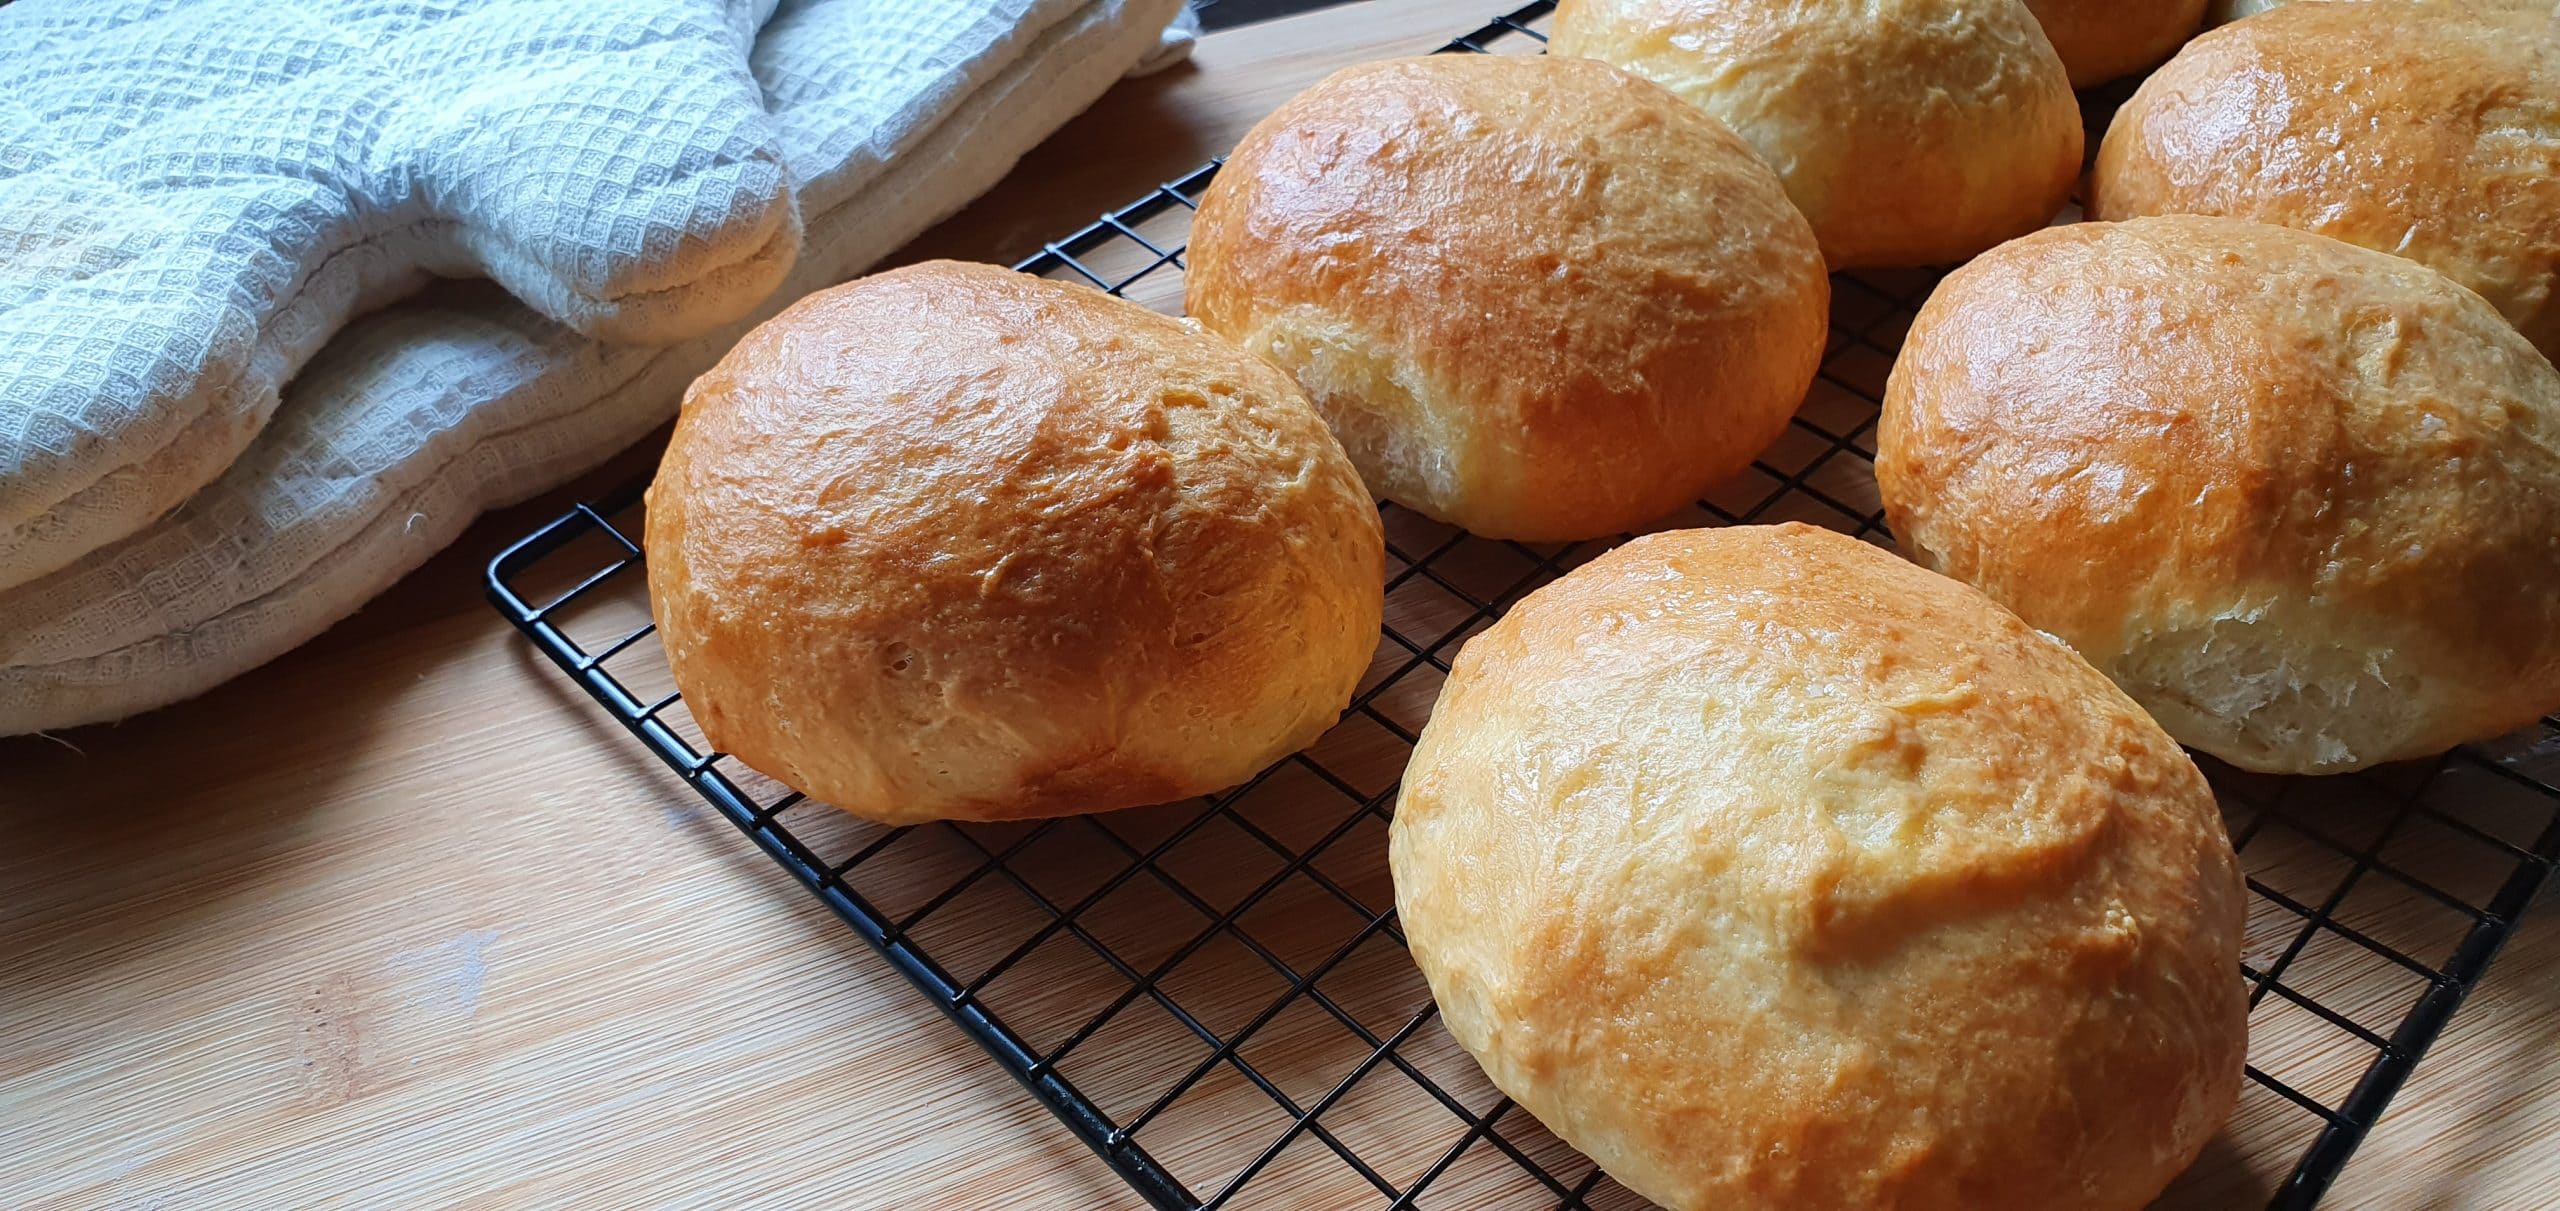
(1774, 872)
(952, 541)
(1536, 297)
(1910, 132)
(2426, 128)
(2301, 499)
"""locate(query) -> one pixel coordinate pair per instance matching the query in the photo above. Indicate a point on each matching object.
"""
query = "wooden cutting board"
(401, 921)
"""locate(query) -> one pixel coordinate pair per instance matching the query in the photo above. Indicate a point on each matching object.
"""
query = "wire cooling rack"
(1215, 996)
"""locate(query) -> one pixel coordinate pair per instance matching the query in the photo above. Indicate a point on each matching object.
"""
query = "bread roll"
(951, 541)
(1911, 132)
(1535, 297)
(1774, 872)
(2102, 40)
(2301, 499)
(2428, 129)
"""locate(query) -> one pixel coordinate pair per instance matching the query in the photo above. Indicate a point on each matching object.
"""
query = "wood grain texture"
(401, 920)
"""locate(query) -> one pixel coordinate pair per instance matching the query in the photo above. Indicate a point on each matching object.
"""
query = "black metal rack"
(1214, 996)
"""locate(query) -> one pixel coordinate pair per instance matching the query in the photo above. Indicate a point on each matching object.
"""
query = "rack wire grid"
(1215, 997)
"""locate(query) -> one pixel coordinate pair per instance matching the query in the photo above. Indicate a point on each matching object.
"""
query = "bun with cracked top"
(1910, 132)
(1535, 296)
(2425, 128)
(952, 541)
(2301, 499)
(1775, 872)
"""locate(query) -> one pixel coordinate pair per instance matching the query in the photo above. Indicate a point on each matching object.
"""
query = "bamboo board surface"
(401, 920)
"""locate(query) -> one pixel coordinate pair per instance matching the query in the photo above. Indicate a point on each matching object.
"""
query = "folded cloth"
(891, 114)
(194, 195)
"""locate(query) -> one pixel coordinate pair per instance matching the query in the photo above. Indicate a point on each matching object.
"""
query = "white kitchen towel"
(195, 194)
(891, 115)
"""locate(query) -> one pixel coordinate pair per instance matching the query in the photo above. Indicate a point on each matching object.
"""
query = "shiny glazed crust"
(2301, 499)
(2102, 40)
(1535, 297)
(1774, 872)
(2426, 129)
(1911, 132)
(952, 541)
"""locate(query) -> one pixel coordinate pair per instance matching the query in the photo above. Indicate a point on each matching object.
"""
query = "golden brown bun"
(2301, 499)
(2430, 130)
(2102, 40)
(1536, 297)
(1911, 132)
(1775, 872)
(952, 541)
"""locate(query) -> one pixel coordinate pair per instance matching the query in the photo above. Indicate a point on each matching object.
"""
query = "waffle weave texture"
(194, 196)
(634, 168)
